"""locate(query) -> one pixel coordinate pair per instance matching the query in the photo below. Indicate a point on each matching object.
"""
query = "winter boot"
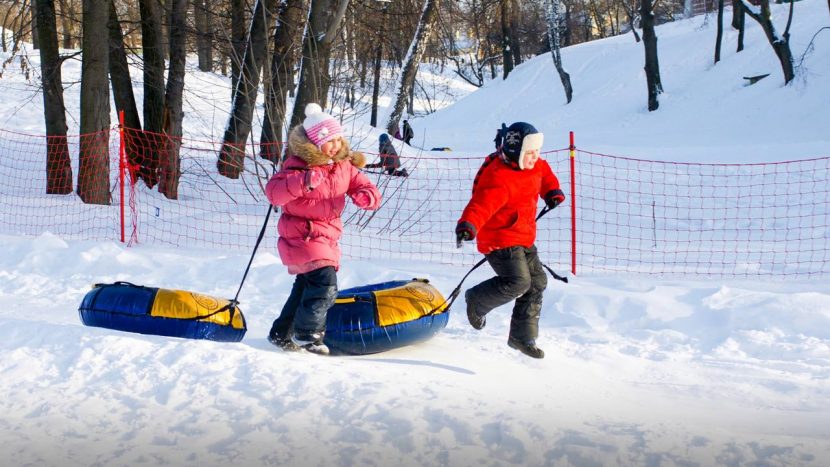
(311, 342)
(526, 347)
(285, 343)
(476, 321)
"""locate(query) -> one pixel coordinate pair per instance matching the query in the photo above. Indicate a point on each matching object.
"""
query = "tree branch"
(334, 25)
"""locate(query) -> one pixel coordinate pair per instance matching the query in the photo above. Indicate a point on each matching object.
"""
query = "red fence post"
(122, 167)
(573, 204)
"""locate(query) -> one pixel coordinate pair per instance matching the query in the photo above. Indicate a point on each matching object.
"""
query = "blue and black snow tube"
(379, 317)
(148, 310)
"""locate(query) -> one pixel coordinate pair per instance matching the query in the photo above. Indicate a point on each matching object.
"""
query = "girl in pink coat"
(311, 189)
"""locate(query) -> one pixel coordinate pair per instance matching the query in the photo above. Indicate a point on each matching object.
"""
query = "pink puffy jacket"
(310, 226)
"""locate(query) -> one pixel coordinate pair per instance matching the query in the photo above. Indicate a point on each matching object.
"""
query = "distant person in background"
(408, 134)
(389, 160)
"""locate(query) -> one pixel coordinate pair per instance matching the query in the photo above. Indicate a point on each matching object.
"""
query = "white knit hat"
(319, 126)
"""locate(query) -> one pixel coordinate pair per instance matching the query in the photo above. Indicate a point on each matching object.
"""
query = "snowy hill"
(638, 370)
(707, 112)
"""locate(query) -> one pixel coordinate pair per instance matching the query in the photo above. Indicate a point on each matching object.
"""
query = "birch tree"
(406, 81)
(554, 18)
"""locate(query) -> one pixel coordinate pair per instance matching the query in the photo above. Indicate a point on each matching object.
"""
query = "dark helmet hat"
(383, 138)
(517, 138)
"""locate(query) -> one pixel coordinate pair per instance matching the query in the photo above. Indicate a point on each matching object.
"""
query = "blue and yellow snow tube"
(148, 310)
(379, 317)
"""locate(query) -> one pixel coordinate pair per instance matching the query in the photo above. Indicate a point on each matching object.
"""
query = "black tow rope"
(234, 302)
(454, 294)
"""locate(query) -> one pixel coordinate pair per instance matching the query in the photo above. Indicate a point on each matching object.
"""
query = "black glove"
(464, 232)
(554, 198)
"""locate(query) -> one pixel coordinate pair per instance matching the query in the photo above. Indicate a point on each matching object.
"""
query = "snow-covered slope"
(707, 112)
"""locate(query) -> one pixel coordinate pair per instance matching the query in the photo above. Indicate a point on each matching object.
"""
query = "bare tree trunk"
(741, 27)
(719, 37)
(780, 44)
(93, 172)
(149, 144)
(286, 35)
(136, 146)
(321, 31)
(122, 86)
(232, 155)
(652, 66)
(153, 65)
(410, 68)
(58, 168)
(507, 55)
(553, 19)
(629, 13)
(736, 10)
(169, 169)
(16, 26)
(238, 34)
(515, 26)
(376, 86)
(738, 21)
(67, 13)
(204, 46)
(35, 38)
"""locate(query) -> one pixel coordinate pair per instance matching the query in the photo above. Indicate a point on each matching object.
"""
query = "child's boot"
(311, 342)
(283, 342)
(527, 347)
(476, 321)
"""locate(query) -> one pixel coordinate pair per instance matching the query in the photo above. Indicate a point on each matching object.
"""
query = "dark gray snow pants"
(520, 277)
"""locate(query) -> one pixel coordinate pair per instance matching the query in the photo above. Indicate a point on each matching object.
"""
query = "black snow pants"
(521, 277)
(312, 294)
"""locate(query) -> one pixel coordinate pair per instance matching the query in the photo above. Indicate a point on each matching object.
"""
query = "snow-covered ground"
(638, 370)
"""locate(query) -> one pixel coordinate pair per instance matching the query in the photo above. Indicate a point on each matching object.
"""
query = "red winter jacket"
(503, 206)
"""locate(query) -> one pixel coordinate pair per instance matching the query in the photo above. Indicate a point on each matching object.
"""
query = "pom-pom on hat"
(319, 126)
(518, 138)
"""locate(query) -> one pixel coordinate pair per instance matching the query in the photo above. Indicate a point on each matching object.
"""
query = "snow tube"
(379, 317)
(147, 310)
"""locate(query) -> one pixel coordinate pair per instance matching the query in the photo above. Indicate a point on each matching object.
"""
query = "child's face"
(529, 158)
(331, 148)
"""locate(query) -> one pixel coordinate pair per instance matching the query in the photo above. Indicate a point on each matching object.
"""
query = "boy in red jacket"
(501, 216)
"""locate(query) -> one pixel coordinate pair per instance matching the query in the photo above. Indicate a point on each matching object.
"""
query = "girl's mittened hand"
(363, 199)
(313, 178)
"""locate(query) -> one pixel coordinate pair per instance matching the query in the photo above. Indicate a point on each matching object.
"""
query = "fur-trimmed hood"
(299, 145)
